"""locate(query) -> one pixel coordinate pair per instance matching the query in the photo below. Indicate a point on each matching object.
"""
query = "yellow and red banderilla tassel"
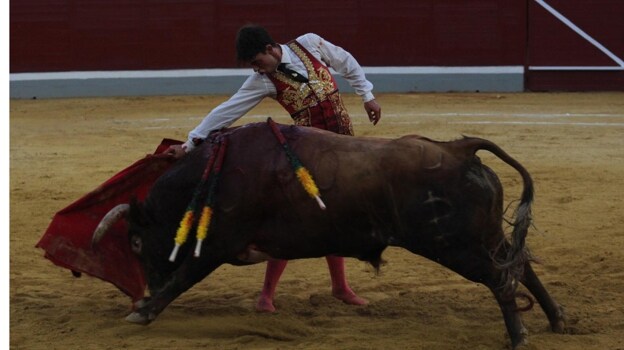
(305, 178)
(303, 175)
(211, 173)
(206, 217)
(202, 228)
(182, 233)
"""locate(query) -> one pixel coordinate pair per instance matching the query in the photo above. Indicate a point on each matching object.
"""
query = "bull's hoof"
(521, 340)
(521, 344)
(558, 325)
(141, 303)
(138, 318)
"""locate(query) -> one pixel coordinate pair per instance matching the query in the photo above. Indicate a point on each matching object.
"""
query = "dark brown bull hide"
(435, 199)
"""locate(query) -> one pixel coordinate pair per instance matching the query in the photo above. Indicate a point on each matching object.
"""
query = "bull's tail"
(517, 254)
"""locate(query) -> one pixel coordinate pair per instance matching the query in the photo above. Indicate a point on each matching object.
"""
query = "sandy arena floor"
(573, 145)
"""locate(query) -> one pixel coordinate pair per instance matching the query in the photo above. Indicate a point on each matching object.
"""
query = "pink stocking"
(340, 287)
(274, 271)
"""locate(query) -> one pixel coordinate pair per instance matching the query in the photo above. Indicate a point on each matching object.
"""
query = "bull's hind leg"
(478, 267)
(517, 333)
(487, 274)
(552, 310)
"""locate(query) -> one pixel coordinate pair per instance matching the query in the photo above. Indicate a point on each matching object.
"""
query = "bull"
(435, 199)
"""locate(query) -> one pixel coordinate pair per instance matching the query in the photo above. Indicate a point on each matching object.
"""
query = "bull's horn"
(108, 221)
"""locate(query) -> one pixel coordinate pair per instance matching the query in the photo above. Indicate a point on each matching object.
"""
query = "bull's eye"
(136, 244)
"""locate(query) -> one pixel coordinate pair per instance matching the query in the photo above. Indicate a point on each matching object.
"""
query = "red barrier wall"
(100, 35)
(66, 35)
(583, 53)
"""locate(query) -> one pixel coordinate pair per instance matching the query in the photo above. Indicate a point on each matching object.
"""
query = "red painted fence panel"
(102, 35)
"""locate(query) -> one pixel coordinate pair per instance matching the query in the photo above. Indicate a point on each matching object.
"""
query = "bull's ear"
(136, 214)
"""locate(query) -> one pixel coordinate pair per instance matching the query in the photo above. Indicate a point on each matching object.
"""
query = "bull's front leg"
(187, 275)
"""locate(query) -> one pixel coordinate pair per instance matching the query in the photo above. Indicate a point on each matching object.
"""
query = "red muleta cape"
(67, 241)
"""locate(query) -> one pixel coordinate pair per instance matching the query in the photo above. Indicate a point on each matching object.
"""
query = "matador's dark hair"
(250, 41)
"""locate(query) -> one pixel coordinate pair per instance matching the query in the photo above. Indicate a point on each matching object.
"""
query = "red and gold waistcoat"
(316, 103)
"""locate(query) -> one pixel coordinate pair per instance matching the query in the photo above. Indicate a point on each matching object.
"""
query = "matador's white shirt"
(258, 86)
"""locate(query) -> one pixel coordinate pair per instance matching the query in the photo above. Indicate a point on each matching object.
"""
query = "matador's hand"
(373, 110)
(176, 151)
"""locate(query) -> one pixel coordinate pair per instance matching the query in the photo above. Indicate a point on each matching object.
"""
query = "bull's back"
(346, 169)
